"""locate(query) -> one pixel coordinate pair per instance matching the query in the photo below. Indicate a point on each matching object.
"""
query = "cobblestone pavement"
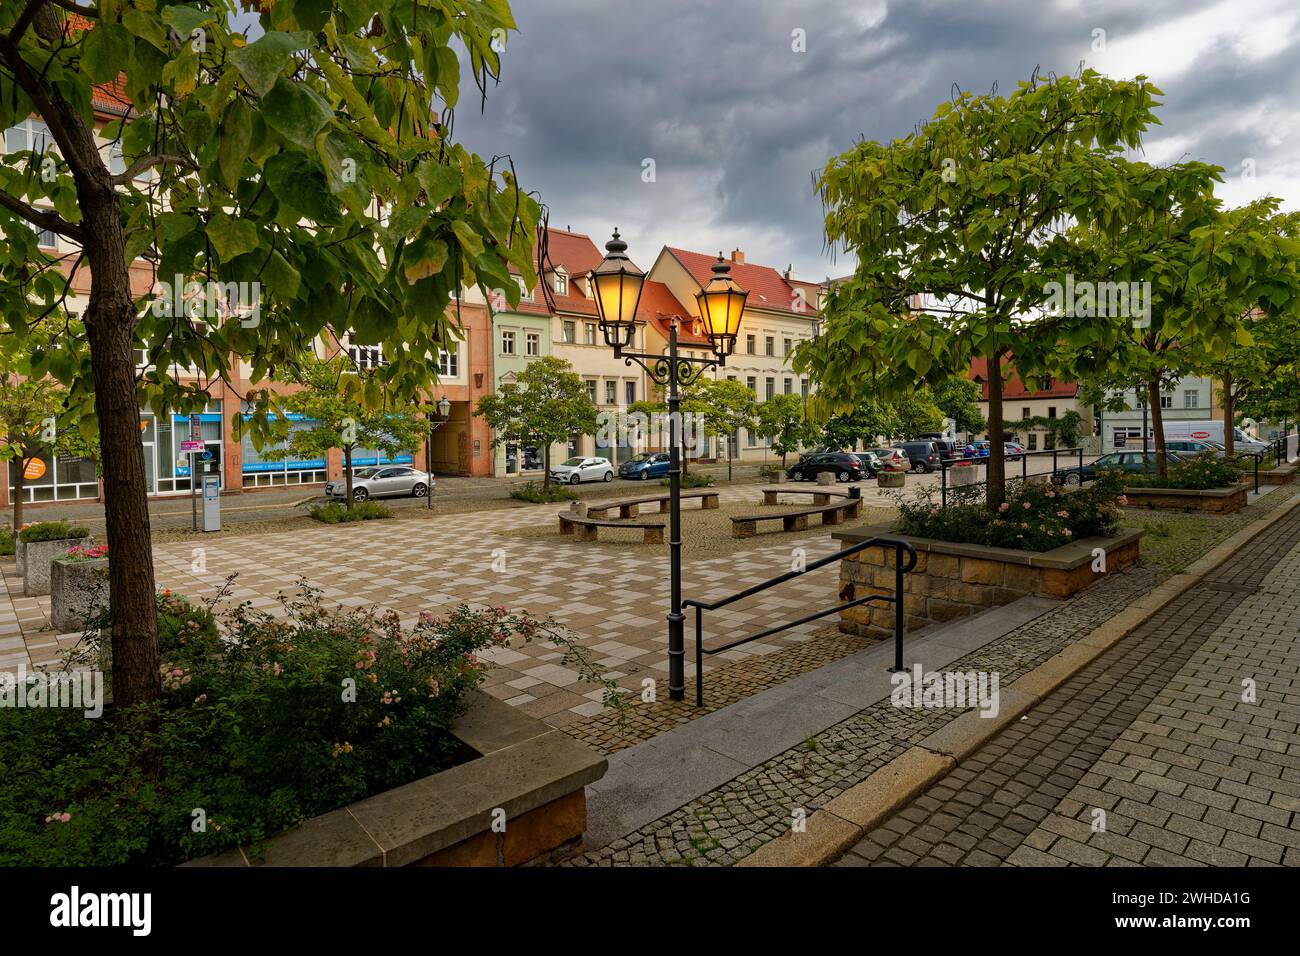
(730, 822)
(1149, 755)
(613, 599)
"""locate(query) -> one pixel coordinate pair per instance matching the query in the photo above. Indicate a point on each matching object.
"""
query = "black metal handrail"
(1024, 456)
(900, 547)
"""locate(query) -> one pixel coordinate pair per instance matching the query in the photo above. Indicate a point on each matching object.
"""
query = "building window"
(45, 238)
(1051, 411)
(589, 333)
(1191, 398)
(30, 134)
(1033, 441)
(803, 387)
(449, 362)
(507, 342)
(611, 393)
(1166, 401)
(788, 345)
(771, 388)
(769, 346)
(525, 293)
(116, 159)
(751, 383)
(789, 386)
(591, 390)
(568, 332)
(750, 344)
(1024, 413)
(533, 343)
(630, 389)
(366, 356)
(561, 284)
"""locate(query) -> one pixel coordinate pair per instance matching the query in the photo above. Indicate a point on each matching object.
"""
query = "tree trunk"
(133, 606)
(347, 475)
(1228, 414)
(996, 472)
(1157, 427)
(546, 463)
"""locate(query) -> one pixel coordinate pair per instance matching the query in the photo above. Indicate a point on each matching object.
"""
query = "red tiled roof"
(107, 97)
(1013, 387)
(686, 334)
(767, 288)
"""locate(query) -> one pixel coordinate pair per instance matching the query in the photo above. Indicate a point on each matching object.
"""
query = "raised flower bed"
(1041, 540)
(314, 736)
(78, 587)
(1205, 484)
(38, 545)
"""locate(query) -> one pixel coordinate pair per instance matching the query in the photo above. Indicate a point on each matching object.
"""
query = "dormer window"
(561, 280)
(525, 294)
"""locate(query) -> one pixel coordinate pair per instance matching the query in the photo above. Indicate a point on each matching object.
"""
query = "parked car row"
(1134, 461)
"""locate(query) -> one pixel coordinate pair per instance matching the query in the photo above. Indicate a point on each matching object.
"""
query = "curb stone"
(847, 818)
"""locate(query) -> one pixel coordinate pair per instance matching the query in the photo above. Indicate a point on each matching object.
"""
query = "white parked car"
(384, 481)
(582, 469)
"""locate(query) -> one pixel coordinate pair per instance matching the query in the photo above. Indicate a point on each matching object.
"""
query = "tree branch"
(45, 218)
(24, 20)
(148, 162)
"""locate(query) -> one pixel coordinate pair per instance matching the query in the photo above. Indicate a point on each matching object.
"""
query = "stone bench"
(630, 507)
(820, 497)
(585, 529)
(746, 526)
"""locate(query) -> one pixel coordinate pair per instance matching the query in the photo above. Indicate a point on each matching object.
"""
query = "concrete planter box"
(1215, 501)
(891, 479)
(19, 548)
(961, 476)
(536, 774)
(78, 590)
(37, 556)
(956, 580)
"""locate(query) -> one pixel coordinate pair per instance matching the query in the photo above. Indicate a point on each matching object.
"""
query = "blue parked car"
(652, 465)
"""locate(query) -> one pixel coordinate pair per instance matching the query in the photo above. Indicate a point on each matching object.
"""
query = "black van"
(924, 455)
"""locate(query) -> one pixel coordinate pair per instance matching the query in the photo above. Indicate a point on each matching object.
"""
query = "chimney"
(737, 257)
(789, 272)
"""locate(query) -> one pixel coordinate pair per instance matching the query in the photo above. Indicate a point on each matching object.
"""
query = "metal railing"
(947, 463)
(901, 548)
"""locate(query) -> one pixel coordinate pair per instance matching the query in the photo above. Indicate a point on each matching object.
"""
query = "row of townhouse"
(496, 343)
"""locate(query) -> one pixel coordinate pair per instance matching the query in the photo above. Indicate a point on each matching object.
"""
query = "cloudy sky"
(736, 119)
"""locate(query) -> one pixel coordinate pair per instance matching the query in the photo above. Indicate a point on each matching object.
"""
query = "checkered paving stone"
(730, 822)
(1149, 756)
(613, 599)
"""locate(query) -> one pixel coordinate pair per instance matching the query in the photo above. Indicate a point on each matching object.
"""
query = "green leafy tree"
(782, 422)
(331, 396)
(867, 421)
(955, 227)
(546, 404)
(915, 414)
(35, 423)
(723, 408)
(958, 399)
(310, 172)
(1207, 268)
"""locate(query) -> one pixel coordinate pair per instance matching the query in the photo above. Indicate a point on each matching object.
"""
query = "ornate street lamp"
(617, 285)
(444, 412)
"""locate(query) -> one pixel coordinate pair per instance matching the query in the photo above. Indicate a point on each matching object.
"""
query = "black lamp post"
(616, 286)
(444, 411)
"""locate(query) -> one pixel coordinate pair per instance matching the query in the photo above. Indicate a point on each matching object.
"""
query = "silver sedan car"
(384, 481)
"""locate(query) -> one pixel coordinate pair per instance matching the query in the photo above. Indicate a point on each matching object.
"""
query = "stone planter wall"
(1215, 501)
(19, 548)
(37, 556)
(891, 479)
(78, 590)
(537, 775)
(1281, 475)
(952, 581)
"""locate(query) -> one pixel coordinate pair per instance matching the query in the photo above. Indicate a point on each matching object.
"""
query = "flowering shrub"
(1034, 517)
(92, 553)
(1201, 473)
(263, 722)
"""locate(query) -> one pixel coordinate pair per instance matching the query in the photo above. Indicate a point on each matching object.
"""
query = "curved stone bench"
(820, 496)
(746, 526)
(630, 507)
(585, 529)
